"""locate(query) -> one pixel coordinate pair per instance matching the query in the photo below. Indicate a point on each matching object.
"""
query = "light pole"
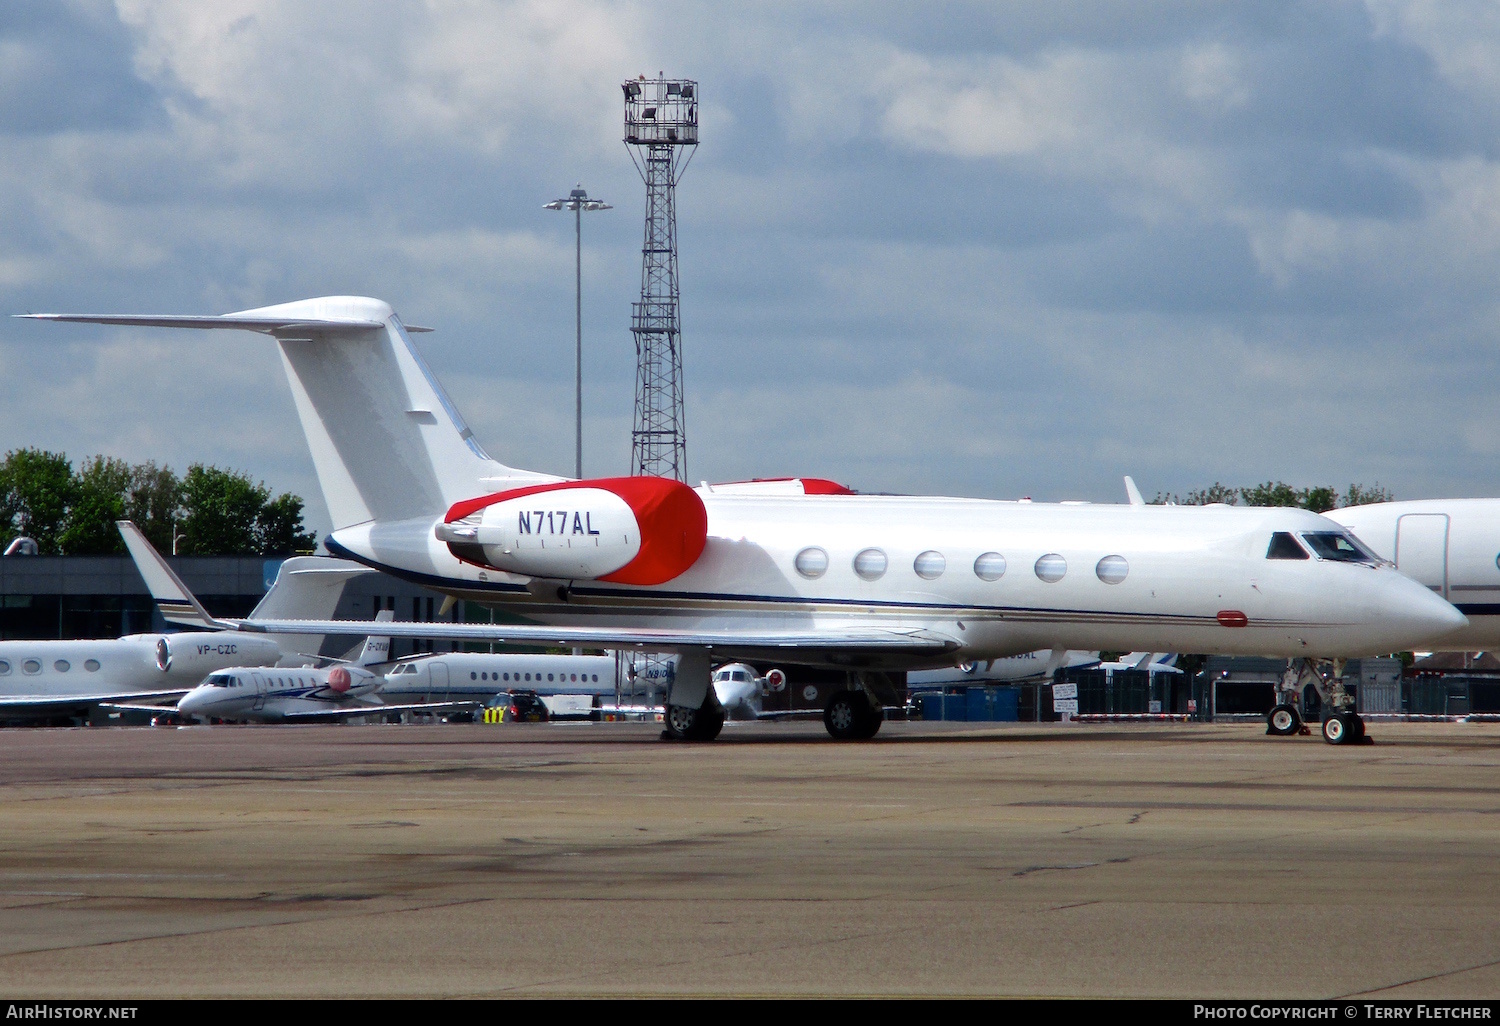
(578, 201)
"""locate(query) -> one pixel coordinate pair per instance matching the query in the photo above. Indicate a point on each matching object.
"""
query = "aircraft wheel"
(848, 717)
(1282, 721)
(679, 722)
(1338, 730)
(685, 724)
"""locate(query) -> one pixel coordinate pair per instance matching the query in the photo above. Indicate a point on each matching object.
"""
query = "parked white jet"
(479, 675)
(865, 582)
(290, 694)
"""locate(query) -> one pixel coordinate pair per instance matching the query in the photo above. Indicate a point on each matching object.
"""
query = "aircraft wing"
(871, 640)
(53, 703)
(366, 710)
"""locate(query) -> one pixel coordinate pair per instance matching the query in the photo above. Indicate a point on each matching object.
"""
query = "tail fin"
(376, 649)
(176, 602)
(386, 441)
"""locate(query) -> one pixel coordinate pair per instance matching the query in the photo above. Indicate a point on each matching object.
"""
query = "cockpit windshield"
(1340, 547)
(221, 680)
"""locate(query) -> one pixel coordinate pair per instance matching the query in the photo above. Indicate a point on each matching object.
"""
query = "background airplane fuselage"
(136, 662)
(1196, 578)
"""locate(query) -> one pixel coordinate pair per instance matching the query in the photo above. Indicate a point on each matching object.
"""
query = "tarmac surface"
(1182, 860)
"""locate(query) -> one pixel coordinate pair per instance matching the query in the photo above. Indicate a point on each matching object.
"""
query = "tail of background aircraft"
(386, 441)
(306, 588)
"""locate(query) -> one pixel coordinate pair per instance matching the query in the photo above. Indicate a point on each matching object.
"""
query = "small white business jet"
(875, 585)
(276, 694)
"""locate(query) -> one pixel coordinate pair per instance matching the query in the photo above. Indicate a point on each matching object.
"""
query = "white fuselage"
(269, 694)
(478, 675)
(1451, 546)
(116, 666)
(1195, 579)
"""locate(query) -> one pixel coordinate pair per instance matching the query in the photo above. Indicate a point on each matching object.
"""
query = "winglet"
(177, 603)
(1133, 493)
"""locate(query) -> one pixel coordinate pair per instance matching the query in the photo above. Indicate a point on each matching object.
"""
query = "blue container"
(955, 707)
(1005, 703)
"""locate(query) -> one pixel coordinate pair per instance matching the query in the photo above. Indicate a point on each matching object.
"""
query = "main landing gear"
(1341, 724)
(701, 724)
(851, 716)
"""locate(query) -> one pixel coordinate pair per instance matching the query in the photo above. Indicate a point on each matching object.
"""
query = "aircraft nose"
(190, 703)
(1424, 615)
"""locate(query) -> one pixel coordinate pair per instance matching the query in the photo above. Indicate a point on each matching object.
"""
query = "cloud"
(983, 249)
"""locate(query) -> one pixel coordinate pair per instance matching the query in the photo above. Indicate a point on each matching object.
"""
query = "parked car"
(520, 707)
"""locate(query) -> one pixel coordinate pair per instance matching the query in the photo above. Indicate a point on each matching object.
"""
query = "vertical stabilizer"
(386, 441)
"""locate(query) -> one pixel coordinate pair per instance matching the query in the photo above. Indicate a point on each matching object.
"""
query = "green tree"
(36, 491)
(153, 502)
(98, 501)
(220, 512)
(1359, 495)
(226, 514)
(280, 527)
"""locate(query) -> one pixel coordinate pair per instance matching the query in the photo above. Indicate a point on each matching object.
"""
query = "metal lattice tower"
(661, 132)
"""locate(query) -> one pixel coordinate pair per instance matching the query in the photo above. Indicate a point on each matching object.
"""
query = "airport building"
(65, 597)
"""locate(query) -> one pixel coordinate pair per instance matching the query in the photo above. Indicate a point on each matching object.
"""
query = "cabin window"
(31, 666)
(1284, 546)
(596, 678)
(62, 666)
(88, 664)
(870, 564)
(1112, 569)
(1339, 547)
(573, 677)
(930, 565)
(549, 676)
(811, 562)
(4, 667)
(1051, 567)
(990, 566)
(507, 676)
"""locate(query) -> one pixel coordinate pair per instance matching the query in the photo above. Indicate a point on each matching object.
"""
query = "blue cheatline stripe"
(1020, 614)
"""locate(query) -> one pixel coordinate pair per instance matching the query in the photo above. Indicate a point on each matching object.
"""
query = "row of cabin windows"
(30, 666)
(871, 565)
(565, 678)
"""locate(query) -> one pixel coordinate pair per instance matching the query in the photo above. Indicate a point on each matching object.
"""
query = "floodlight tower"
(661, 133)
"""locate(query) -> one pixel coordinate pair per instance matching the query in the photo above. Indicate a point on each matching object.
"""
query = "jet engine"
(338, 679)
(626, 530)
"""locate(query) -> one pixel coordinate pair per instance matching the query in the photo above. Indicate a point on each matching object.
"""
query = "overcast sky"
(990, 249)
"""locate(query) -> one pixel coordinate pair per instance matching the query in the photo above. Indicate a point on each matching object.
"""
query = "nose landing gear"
(1341, 724)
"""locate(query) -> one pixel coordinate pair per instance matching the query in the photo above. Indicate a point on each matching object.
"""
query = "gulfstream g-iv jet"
(812, 576)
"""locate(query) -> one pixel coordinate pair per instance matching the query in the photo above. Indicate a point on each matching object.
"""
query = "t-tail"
(386, 441)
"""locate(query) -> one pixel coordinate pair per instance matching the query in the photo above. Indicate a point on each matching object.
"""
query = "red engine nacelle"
(339, 679)
(626, 530)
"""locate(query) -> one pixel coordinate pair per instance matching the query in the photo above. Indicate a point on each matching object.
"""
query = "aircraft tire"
(684, 724)
(1337, 730)
(848, 717)
(1283, 721)
(679, 722)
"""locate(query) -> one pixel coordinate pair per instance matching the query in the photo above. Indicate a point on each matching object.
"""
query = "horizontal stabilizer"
(269, 325)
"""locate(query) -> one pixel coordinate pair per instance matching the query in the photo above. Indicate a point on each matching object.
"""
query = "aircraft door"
(438, 680)
(260, 691)
(1422, 549)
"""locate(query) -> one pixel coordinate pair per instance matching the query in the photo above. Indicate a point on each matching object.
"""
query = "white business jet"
(302, 694)
(875, 585)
